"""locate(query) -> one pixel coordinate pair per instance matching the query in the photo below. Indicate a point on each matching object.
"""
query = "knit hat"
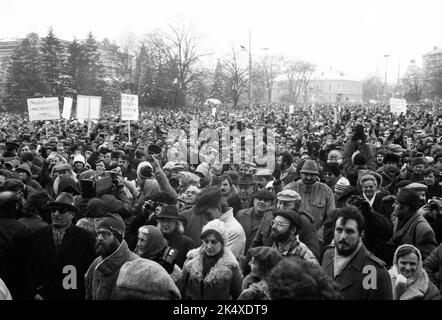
(217, 226)
(407, 196)
(418, 161)
(79, 158)
(310, 166)
(209, 198)
(145, 170)
(114, 223)
(145, 279)
(342, 185)
(288, 195)
(155, 241)
(203, 168)
(359, 159)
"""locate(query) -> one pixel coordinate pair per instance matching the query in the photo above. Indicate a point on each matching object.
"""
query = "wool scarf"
(210, 261)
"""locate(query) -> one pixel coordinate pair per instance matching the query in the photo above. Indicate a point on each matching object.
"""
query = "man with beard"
(380, 159)
(390, 172)
(317, 198)
(246, 187)
(357, 273)
(288, 174)
(101, 277)
(284, 234)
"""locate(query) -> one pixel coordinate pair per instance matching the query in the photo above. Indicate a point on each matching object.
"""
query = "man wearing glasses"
(60, 254)
(284, 234)
(113, 251)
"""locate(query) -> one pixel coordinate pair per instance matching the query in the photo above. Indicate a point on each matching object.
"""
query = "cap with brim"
(170, 212)
(64, 201)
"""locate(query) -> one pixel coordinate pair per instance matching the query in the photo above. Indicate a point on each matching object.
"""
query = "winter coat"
(307, 232)
(318, 203)
(434, 191)
(47, 263)
(350, 149)
(34, 222)
(433, 267)
(101, 277)
(222, 282)
(194, 225)
(294, 248)
(234, 201)
(352, 282)
(14, 242)
(255, 290)
(250, 221)
(417, 232)
(389, 180)
(236, 237)
(421, 288)
(181, 243)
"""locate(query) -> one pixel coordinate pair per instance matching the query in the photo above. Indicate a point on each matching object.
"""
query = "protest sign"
(88, 107)
(213, 111)
(398, 106)
(43, 109)
(67, 107)
(129, 107)
(291, 109)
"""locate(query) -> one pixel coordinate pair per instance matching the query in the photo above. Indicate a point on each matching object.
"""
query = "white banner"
(67, 107)
(129, 107)
(398, 106)
(43, 109)
(373, 101)
(213, 111)
(88, 107)
(291, 109)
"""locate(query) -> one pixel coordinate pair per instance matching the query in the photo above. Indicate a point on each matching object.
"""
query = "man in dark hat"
(246, 187)
(171, 225)
(380, 158)
(60, 254)
(284, 234)
(251, 218)
(410, 227)
(418, 164)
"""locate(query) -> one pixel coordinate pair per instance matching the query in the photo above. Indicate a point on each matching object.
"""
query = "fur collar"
(416, 290)
(220, 272)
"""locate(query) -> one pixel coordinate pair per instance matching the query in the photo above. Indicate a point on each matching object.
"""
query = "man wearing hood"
(25, 175)
(390, 172)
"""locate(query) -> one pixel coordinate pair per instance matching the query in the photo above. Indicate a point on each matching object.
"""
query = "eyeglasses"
(104, 234)
(279, 224)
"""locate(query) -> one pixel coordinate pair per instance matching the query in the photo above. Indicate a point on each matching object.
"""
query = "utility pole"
(250, 68)
(385, 82)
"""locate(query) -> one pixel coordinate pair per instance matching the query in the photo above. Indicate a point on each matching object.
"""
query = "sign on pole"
(398, 106)
(88, 107)
(129, 107)
(43, 109)
(213, 111)
(291, 109)
(67, 107)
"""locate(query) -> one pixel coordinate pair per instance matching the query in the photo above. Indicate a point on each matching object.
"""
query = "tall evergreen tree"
(51, 64)
(72, 85)
(91, 69)
(24, 78)
(219, 83)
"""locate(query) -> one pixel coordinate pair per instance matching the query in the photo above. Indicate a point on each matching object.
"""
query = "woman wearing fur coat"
(408, 278)
(211, 272)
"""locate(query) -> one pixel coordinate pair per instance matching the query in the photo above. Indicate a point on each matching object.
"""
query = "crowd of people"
(351, 208)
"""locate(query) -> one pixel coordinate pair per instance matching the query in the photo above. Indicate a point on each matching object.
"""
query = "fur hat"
(391, 157)
(145, 279)
(418, 161)
(217, 226)
(290, 215)
(264, 194)
(359, 159)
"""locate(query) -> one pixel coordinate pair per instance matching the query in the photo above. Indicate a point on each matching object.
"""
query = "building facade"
(432, 70)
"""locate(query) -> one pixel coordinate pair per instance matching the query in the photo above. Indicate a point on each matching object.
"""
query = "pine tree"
(72, 85)
(219, 85)
(51, 64)
(91, 69)
(24, 78)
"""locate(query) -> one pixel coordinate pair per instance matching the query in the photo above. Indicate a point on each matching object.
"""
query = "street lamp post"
(386, 67)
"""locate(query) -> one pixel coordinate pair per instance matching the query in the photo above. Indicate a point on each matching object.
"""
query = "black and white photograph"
(235, 151)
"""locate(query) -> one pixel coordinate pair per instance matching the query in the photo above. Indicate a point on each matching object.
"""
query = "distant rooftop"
(436, 49)
(333, 75)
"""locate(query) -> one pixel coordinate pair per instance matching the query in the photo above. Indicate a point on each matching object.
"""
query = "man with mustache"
(357, 273)
(317, 198)
(101, 277)
(284, 234)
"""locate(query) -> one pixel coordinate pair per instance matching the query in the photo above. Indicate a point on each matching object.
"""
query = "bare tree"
(299, 75)
(266, 70)
(236, 76)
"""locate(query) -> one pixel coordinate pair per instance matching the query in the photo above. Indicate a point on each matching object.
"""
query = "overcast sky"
(347, 35)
